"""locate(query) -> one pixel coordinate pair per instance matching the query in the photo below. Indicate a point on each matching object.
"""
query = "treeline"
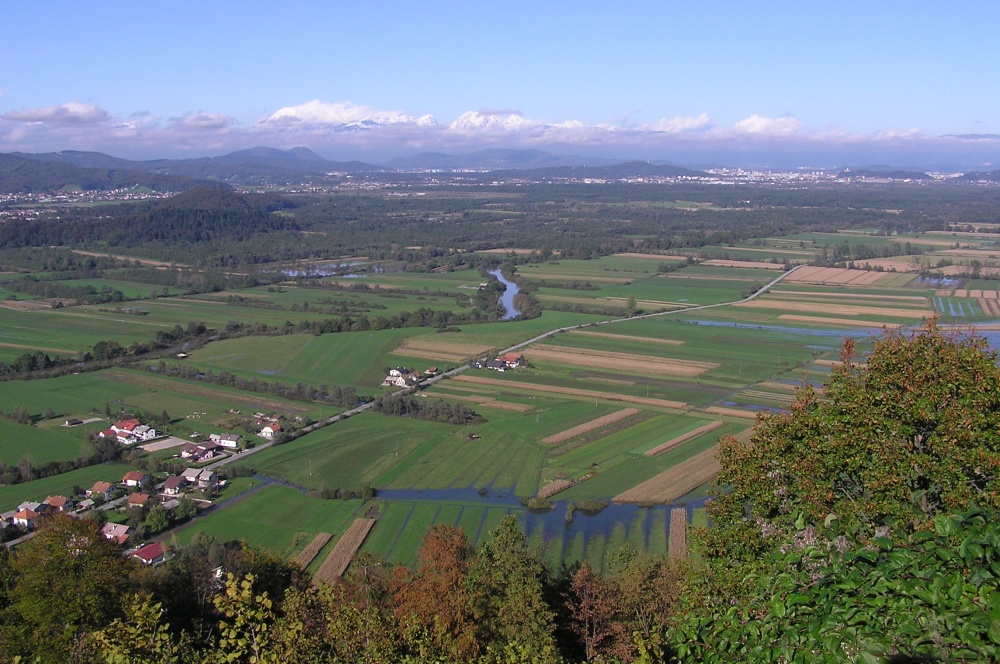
(341, 397)
(434, 410)
(69, 595)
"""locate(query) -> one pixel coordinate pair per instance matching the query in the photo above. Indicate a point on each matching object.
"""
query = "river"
(507, 299)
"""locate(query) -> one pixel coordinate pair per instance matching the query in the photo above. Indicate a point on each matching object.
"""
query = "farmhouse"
(173, 485)
(135, 478)
(100, 490)
(401, 377)
(191, 475)
(59, 503)
(512, 360)
(25, 519)
(270, 430)
(227, 440)
(116, 532)
(151, 554)
(138, 500)
(207, 479)
(202, 452)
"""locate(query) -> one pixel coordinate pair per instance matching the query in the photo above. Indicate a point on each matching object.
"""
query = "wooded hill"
(19, 174)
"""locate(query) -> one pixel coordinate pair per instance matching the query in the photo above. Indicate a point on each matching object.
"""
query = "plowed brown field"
(683, 438)
(343, 551)
(673, 483)
(580, 429)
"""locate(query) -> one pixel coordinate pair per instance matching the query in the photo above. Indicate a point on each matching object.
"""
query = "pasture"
(277, 518)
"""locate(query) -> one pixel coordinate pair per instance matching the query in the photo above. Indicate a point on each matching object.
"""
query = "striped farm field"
(433, 349)
(719, 262)
(732, 412)
(343, 551)
(834, 276)
(580, 429)
(832, 308)
(916, 299)
(626, 338)
(849, 322)
(590, 358)
(673, 483)
(488, 402)
(312, 549)
(683, 438)
(569, 391)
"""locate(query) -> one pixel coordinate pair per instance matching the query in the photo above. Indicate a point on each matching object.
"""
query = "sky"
(737, 83)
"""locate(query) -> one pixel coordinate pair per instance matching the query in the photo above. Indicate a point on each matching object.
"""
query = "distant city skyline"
(783, 84)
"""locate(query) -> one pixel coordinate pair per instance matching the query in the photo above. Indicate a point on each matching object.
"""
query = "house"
(7, 519)
(143, 432)
(191, 475)
(135, 478)
(116, 532)
(33, 506)
(432, 371)
(190, 451)
(207, 479)
(25, 519)
(59, 503)
(512, 360)
(497, 365)
(84, 505)
(100, 491)
(108, 433)
(401, 377)
(125, 426)
(151, 554)
(138, 500)
(270, 430)
(228, 440)
(173, 485)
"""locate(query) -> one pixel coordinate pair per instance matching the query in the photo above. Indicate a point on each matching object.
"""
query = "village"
(141, 504)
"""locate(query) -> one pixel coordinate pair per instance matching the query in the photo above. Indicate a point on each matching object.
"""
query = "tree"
(508, 581)
(910, 434)
(158, 519)
(69, 580)
(630, 304)
(835, 537)
(433, 603)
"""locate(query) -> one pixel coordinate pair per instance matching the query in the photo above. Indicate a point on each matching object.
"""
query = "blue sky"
(735, 82)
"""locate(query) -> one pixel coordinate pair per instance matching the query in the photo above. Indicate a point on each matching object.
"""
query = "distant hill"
(244, 166)
(981, 176)
(495, 159)
(20, 174)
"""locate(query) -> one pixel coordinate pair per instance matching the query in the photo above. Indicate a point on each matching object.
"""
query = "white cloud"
(70, 113)
(344, 114)
(679, 124)
(780, 126)
(201, 122)
(486, 120)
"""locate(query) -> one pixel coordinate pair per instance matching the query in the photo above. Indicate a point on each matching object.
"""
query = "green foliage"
(934, 596)
(913, 433)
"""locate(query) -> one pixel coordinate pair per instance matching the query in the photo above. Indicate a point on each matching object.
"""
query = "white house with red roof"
(151, 554)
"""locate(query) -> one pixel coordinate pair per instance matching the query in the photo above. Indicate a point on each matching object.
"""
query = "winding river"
(507, 299)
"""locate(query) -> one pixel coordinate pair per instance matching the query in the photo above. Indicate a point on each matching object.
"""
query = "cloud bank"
(346, 130)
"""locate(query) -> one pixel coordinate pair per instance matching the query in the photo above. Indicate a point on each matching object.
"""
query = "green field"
(60, 485)
(40, 445)
(277, 518)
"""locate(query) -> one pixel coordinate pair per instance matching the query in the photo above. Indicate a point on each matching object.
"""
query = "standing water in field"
(507, 299)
